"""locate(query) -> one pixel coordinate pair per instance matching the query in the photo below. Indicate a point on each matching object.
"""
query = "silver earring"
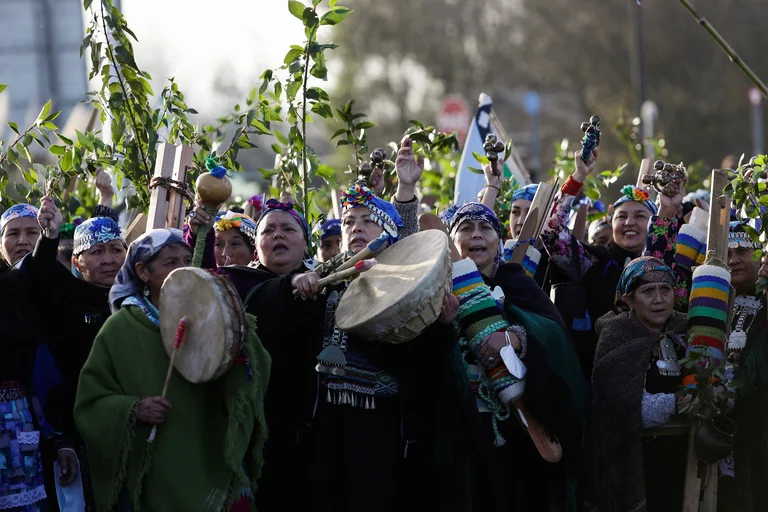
(146, 291)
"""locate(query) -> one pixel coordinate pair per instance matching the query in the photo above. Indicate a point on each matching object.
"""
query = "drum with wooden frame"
(216, 324)
(402, 295)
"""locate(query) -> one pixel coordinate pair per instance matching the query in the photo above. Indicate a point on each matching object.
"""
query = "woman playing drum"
(364, 421)
(513, 476)
(207, 454)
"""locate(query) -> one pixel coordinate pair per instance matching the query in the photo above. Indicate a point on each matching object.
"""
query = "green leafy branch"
(355, 132)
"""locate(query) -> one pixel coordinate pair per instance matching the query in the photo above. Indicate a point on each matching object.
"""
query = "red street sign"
(755, 97)
(455, 116)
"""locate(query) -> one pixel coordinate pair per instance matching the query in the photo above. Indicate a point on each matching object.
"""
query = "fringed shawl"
(208, 449)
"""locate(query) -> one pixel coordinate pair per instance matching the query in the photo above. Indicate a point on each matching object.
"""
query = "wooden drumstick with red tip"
(181, 331)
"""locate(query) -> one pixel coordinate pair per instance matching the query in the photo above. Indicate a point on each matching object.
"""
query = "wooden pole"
(181, 162)
(158, 203)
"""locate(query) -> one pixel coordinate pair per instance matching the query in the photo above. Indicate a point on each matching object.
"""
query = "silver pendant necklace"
(744, 307)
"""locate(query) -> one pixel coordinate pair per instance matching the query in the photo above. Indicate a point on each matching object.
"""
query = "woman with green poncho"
(207, 453)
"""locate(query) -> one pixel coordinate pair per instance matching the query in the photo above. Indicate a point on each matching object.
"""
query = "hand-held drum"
(402, 295)
(215, 322)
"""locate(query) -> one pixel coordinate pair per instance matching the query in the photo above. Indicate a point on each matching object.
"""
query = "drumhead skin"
(214, 323)
(402, 294)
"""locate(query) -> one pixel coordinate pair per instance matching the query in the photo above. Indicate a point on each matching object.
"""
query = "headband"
(229, 220)
(527, 192)
(97, 230)
(273, 205)
(17, 211)
(738, 237)
(644, 270)
(633, 193)
(382, 212)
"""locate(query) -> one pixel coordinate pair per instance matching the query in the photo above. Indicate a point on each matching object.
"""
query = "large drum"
(402, 294)
(216, 323)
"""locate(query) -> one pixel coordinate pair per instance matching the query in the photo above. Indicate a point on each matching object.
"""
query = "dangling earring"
(146, 291)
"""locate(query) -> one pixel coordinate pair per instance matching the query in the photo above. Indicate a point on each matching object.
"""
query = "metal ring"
(192, 214)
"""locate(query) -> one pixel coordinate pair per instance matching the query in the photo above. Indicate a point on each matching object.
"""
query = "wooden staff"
(181, 332)
(698, 474)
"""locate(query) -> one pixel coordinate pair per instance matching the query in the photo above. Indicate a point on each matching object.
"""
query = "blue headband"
(97, 230)
(652, 269)
(478, 211)
(17, 211)
(527, 192)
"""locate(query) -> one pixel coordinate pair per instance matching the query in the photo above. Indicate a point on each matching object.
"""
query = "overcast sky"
(194, 40)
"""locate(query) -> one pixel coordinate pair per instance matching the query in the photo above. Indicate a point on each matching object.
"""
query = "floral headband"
(632, 193)
(17, 211)
(229, 220)
(382, 212)
(96, 230)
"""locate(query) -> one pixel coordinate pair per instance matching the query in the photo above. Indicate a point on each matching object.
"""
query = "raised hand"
(408, 168)
(49, 218)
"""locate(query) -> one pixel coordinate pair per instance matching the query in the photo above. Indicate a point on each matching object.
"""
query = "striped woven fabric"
(691, 246)
(708, 311)
(531, 261)
(479, 316)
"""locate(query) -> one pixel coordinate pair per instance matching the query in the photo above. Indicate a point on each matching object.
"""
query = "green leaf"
(20, 189)
(326, 171)
(280, 136)
(292, 89)
(481, 158)
(296, 8)
(333, 3)
(66, 161)
(64, 139)
(44, 113)
(335, 16)
(309, 17)
(475, 170)
(277, 148)
(2, 87)
(342, 142)
(87, 4)
(323, 110)
(57, 150)
(83, 140)
(292, 55)
(14, 127)
(365, 126)
(340, 131)
(764, 201)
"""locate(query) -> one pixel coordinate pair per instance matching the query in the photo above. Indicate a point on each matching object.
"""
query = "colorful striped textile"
(530, 262)
(479, 316)
(691, 246)
(708, 311)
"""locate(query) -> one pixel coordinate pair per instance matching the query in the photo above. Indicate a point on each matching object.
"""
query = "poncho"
(208, 448)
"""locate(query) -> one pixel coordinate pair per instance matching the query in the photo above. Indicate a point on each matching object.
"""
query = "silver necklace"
(744, 307)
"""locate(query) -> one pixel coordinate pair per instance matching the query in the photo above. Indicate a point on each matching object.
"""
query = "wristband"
(571, 187)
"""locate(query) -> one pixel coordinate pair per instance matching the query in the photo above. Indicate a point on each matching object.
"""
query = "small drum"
(402, 294)
(215, 322)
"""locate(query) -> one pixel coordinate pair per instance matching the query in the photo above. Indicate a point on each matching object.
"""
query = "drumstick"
(181, 331)
(372, 248)
(360, 266)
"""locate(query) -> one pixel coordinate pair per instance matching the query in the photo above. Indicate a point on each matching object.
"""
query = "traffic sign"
(455, 116)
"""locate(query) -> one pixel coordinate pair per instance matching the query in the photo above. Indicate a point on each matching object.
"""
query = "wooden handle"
(550, 450)
(336, 277)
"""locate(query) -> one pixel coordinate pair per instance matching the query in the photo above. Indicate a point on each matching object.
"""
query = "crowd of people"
(540, 387)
